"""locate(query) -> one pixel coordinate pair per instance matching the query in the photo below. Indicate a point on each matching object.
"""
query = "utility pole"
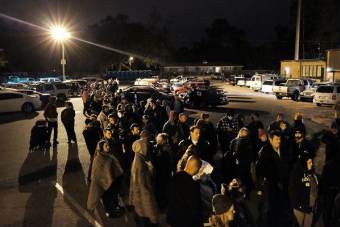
(297, 40)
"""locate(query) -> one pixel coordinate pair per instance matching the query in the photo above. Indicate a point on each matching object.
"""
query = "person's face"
(309, 164)
(279, 118)
(275, 142)
(145, 121)
(159, 140)
(195, 135)
(89, 125)
(263, 138)
(106, 147)
(283, 126)
(334, 130)
(124, 101)
(183, 118)
(106, 110)
(243, 133)
(230, 213)
(111, 120)
(135, 131)
(107, 134)
(255, 118)
(298, 137)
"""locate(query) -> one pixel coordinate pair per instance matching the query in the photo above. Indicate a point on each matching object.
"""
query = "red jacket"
(50, 111)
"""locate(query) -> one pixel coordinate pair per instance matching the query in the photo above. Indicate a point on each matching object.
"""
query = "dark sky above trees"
(189, 17)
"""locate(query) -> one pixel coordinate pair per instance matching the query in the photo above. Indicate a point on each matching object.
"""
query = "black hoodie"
(185, 208)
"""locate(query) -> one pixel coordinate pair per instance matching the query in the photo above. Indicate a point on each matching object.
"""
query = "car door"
(49, 88)
(10, 102)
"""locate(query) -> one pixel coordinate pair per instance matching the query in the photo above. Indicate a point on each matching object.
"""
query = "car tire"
(61, 97)
(278, 97)
(318, 104)
(295, 96)
(27, 107)
(203, 104)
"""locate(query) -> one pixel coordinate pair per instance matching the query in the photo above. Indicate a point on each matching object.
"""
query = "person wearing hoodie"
(303, 191)
(103, 117)
(173, 128)
(67, 117)
(275, 125)
(185, 204)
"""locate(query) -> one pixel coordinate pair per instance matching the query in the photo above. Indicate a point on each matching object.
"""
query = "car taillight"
(333, 97)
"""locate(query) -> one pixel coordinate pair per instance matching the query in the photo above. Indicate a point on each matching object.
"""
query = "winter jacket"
(50, 111)
(300, 187)
(203, 145)
(254, 127)
(305, 148)
(332, 142)
(185, 204)
(67, 116)
(91, 137)
(271, 167)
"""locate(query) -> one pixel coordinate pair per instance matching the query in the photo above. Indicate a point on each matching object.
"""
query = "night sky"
(190, 17)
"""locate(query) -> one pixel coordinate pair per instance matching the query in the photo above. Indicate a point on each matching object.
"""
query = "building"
(304, 68)
(333, 65)
(204, 67)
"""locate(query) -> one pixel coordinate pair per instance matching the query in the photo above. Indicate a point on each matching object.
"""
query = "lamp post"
(60, 35)
(130, 62)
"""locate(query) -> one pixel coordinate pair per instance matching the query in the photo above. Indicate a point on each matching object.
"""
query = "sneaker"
(55, 142)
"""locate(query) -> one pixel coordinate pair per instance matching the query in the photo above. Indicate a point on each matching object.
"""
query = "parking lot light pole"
(60, 35)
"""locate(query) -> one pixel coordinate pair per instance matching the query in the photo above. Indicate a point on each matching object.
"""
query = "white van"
(267, 86)
(257, 81)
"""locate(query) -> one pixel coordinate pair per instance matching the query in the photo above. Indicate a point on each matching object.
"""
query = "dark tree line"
(23, 48)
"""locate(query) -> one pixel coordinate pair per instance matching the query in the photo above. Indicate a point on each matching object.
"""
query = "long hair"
(192, 150)
(219, 220)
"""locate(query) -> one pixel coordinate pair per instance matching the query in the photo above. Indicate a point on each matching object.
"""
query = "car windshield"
(293, 82)
(325, 89)
(268, 82)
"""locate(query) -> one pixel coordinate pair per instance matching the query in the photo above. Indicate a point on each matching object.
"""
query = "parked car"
(147, 92)
(327, 95)
(82, 83)
(179, 79)
(257, 81)
(292, 88)
(11, 101)
(67, 78)
(90, 80)
(267, 86)
(308, 95)
(49, 79)
(16, 86)
(162, 87)
(60, 90)
(217, 76)
(43, 97)
(73, 87)
(189, 86)
(207, 97)
(241, 82)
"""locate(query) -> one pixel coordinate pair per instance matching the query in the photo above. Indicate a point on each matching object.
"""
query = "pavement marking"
(76, 205)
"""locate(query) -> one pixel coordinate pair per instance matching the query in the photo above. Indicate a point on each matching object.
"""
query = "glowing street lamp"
(61, 35)
(130, 61)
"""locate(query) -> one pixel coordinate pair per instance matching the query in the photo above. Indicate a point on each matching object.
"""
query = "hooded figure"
(142, 183)
(105, 170)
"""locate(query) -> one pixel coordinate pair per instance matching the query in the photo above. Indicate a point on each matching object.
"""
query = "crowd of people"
(168, 166)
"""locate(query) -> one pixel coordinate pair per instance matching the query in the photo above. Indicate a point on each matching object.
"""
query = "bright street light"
(60, 35)
(130, 61)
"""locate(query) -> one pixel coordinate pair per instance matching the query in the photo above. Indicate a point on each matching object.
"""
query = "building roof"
(201, 64)
(305, 60)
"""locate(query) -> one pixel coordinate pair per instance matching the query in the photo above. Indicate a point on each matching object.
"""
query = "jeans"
(71, 135)
(49, 130)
